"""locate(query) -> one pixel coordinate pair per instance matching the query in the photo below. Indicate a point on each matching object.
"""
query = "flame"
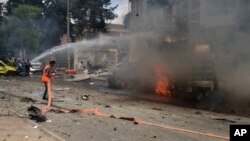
(161, 86)
(162, 82)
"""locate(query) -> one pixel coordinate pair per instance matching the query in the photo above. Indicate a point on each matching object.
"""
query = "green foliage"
(12, 4)
(26, 12)
(92, 15)
(54, 21)
(38, 24)
(21, 30)
(2, 39)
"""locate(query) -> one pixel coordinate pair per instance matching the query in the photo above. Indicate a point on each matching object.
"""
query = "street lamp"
(68, 37)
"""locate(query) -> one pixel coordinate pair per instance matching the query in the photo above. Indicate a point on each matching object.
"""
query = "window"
(1, 64)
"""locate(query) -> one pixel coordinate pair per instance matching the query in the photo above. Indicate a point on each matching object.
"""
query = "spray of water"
(85, 44)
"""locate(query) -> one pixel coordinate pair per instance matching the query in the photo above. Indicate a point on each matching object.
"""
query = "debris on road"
(85, 97)
(35, 126)
(61, 89)
(154, 137)
(27, 100)
(198, 113)
(49, 121)
(35, 114)
(158, 109)
(222, 119)
(107, 106)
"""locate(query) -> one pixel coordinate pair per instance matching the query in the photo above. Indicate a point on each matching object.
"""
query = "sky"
(121, 11)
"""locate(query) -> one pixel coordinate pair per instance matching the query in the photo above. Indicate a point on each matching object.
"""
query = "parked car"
(8, 60)
(36, 67)
(7, 70)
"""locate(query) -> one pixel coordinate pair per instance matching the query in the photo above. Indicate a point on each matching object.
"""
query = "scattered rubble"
(61, 89)
(198, 113)
(153, 137)
(27, 100)
(222, 119)
(85, 97)
(158, 109)
(35, 126)
(49, 121)
(107, 106)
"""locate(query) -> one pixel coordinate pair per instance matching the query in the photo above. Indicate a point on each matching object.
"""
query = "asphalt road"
(167, 122)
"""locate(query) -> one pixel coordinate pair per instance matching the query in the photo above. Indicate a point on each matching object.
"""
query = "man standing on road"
(27, 67)
(48, 72)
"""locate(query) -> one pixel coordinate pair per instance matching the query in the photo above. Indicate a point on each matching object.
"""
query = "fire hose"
(96, 112)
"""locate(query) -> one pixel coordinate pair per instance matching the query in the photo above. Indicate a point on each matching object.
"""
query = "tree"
(38, 24)
(22, 30)
(53, 22)
(12, 4)
(92, 15)
(2, 39)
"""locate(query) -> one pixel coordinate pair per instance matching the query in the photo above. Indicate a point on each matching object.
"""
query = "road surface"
(161, 121)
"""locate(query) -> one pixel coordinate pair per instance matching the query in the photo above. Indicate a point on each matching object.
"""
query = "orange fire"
(162, 82)
(161, 86)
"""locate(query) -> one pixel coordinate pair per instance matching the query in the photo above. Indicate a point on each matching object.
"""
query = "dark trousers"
(45, 94)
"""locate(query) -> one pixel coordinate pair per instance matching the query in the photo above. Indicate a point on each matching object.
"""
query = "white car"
(36, 66)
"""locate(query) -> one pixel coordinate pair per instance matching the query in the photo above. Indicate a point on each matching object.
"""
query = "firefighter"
(47, 74)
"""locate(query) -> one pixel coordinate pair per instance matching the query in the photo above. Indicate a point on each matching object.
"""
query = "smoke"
(167, 35)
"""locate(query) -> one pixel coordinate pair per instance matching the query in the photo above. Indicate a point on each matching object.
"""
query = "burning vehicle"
(187, 77)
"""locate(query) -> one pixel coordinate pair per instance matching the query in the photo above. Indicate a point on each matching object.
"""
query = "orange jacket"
(45, 76)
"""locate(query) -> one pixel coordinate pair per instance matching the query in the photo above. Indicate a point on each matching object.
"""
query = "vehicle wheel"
(11, 73)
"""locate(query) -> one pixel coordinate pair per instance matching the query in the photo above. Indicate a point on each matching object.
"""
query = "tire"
(11, 73)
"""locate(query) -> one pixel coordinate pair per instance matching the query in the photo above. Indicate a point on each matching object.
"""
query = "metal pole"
(68, 37)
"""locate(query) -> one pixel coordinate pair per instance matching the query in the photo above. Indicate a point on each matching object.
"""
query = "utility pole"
(68, 37)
